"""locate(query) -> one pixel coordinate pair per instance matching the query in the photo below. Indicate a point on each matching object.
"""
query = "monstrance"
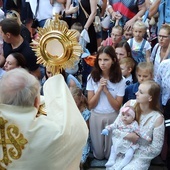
(56, 46)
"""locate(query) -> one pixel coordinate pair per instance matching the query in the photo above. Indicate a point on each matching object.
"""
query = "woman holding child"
(150, 121)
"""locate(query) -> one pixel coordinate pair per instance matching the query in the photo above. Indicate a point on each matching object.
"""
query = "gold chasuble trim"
(12, 142)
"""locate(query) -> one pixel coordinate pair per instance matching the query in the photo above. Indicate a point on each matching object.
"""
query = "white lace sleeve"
(155, 147)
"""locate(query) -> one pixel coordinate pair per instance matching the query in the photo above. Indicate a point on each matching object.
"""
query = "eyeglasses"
(163, 36)
(114, 35)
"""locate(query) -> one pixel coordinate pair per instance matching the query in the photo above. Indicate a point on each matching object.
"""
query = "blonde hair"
(118, 27)
(130, 63)
(145, 66)
(139, 24)
(166, 27)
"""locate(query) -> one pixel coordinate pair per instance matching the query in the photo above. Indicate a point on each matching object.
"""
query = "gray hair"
(19, 88)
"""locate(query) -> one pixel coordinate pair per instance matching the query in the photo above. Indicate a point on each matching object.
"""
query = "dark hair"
(20, 59)
(61, 71)
(10, 25)
(115, 74)
(125, 44)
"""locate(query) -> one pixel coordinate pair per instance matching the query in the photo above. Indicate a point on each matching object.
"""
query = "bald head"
(19, 88)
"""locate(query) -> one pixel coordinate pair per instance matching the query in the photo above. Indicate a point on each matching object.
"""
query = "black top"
(26, 51)
(25, 33)
(92, 46)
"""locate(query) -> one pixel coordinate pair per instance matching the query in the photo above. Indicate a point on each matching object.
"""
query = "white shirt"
(45, 9)
(116, 89)
(136, 46)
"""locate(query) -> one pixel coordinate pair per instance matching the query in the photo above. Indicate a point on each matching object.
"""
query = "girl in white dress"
(126, 123)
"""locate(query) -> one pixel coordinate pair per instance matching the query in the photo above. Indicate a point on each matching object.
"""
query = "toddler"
(141, 48)
(116, 37)
(144, 71)
(127, 34)
(126, 124)
(127, 65)
(81, 102)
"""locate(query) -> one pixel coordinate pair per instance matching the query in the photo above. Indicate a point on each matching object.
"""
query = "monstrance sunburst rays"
(56, 46)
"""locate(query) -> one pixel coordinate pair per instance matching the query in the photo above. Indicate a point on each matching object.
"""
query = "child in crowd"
(128, 34)
(125, 124)
(144, 71)
(141, 48)
(123, 50)
(82, 104)
(116, 37)
(70, 80)
(84, 68)
(77, 26)
(127, 65)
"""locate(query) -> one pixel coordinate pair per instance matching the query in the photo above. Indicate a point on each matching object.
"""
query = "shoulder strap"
(131, 42)
(143, 44)
(36, 8)
(85, 13)
(155, 52)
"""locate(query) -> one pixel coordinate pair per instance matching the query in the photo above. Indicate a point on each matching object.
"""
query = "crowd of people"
(112, 104)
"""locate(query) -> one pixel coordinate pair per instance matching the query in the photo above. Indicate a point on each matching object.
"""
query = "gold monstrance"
(56, 46)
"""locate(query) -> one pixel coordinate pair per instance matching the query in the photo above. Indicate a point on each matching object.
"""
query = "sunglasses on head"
(9, 12)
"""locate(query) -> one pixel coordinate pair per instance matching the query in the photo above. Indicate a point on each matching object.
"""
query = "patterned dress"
(163, 79)
(86, 149)
(146, 151)
(120, 144)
